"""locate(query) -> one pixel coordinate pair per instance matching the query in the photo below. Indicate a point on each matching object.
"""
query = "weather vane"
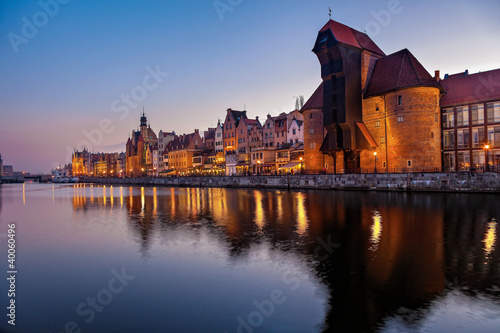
(330, 12)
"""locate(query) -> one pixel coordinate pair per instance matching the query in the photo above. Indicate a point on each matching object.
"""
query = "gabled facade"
(231, 122)
(268, 134)
(181, 152)
(219, 137)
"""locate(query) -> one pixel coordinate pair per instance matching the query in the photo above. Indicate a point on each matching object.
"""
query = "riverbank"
(435, 182)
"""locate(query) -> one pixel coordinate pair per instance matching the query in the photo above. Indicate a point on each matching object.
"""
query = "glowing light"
(121, 196)
(490, 238)
(104, 194)
(24, 194)
(155, 201)
(260, 218)
(302, 221)
(111, 196)
(143, 200)
(376, 229)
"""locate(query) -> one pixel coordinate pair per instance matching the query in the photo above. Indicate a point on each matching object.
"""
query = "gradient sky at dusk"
(71, 72)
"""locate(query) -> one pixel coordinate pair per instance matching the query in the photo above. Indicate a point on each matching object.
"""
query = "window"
(241, 131)
(493, 112)
(239, 140)
(463, 138)
(312, 145)
(261, 155)
(268, 125)
(494, 136)
(436, 117)
(400, 119)
(267, 135)
(311, 131)
(432, 135)
(449, 139)
(376, 107)
(463, 116)
(400, 100)
(294, 131)
(448, 118)
(291, 142)
(311, 116)
(463, 161)
(377, 123)
(477, 137)
(383, 164)
(478, 158)
(477, 114)
(232, 134)
(382, 139)
(408, 163)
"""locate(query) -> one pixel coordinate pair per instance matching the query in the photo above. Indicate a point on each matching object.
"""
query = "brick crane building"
(369, 103)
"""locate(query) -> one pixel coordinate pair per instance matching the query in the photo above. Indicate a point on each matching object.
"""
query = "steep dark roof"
(396, 71)
(346, 35)
(471, 88)
(315, 101)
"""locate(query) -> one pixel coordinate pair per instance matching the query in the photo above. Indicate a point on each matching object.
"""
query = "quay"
(434, 182)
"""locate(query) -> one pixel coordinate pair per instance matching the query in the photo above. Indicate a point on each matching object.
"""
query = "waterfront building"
(470, 111)
(268, 132)
(219, 137)
(163, 139)
(209, 139)
(80, 163)
(8, 171)
(295, 133)
(370, 103)
(280, 130)
(181, 151)
(1, 166)
(231, 160)
(137, 147)
(231, 122)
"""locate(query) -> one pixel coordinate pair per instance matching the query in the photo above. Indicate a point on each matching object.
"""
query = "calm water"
(131, 259)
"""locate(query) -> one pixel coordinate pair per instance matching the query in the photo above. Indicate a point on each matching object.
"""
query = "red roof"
(471, 88)
(315, 101)
(396, 71)
(346, 35)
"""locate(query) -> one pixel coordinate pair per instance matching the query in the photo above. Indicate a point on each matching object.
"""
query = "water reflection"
(401, 255)
(490, 238)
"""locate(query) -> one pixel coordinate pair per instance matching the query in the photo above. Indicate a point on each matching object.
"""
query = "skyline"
(74, 71)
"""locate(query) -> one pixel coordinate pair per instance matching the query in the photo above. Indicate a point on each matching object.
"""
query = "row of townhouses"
(371, 112)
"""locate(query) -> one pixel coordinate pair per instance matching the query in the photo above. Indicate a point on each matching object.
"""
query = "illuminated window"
(400, 119)
(382, 139)
(377, 123)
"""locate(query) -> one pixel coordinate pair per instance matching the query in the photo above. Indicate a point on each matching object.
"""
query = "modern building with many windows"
(470, 110)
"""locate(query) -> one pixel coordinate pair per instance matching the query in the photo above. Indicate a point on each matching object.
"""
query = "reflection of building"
(471, 120)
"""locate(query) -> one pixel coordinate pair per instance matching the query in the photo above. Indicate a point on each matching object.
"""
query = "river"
(156, 259)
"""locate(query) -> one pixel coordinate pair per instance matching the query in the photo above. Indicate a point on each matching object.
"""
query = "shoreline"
(464, 182)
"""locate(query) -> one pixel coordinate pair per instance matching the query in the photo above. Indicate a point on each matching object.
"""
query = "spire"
(330, 12)
(143, 114)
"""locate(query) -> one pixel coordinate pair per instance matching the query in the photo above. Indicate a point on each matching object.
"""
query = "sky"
(78, 73)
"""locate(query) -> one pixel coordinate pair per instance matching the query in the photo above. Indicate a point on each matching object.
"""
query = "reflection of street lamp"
(375, 155)
(486, 147)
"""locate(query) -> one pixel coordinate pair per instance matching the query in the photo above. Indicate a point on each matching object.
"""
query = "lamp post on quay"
(486, 147)
(375, 156)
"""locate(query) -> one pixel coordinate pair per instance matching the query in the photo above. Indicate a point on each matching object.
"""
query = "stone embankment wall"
(448, 182)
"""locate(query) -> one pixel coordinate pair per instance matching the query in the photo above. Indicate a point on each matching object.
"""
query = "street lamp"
(375, 156)
(258, 168)
(486, 147)
(301, 165)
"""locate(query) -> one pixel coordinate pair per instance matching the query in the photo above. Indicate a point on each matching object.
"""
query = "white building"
(219, 137)
(295, 133)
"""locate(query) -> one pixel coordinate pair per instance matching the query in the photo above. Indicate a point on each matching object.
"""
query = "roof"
(315, 101)
(180, 142)
(397, 71)
(347, 35)
(252, 122)
(471, 88)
